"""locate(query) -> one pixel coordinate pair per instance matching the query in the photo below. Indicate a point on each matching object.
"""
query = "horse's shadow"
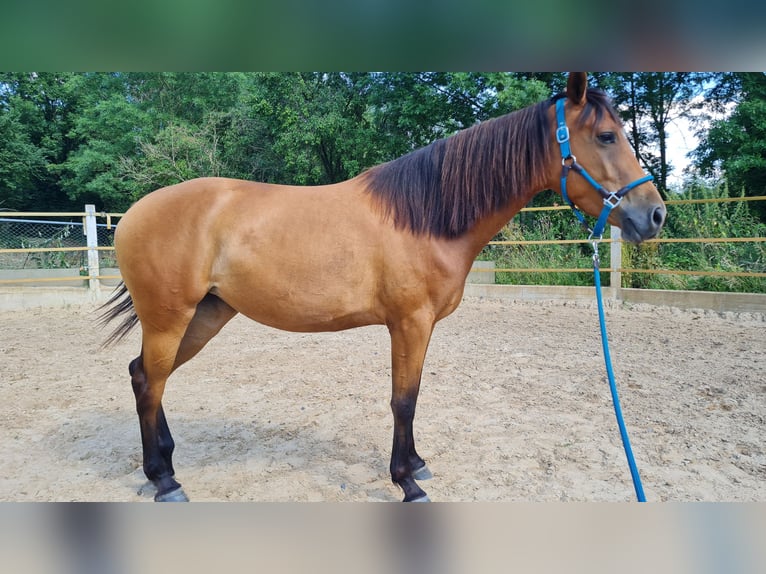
(211, 449)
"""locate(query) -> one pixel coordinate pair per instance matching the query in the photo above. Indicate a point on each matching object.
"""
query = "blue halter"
(569, 162)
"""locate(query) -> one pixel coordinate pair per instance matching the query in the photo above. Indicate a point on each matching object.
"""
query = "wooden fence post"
(91, 236)
(615, 262)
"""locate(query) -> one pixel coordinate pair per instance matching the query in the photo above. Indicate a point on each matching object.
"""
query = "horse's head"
(598, 166)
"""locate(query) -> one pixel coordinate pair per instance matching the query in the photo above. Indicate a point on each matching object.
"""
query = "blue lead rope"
(612, 386)
(611, 200)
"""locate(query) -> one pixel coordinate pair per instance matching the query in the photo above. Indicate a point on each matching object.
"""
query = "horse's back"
(206, 211)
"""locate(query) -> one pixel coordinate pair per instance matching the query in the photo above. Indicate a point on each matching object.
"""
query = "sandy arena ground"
(514, 406)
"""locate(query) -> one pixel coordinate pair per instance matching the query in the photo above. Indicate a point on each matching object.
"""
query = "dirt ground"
(514, 406)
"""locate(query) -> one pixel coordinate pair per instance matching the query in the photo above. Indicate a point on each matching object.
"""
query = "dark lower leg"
(404, 459)
(155, 436)
(409, 341)
(157, 468)
(165, 440)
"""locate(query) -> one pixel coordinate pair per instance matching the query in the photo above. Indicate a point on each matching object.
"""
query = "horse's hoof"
(177, 495)
(423, 473)
(423, 498)
(147, 490)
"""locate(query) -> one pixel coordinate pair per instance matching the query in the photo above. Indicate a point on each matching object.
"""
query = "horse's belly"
(305, 307)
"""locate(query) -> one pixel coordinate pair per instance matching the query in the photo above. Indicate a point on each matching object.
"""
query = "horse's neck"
(485, 229)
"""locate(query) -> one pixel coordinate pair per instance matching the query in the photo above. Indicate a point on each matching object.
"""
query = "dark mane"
(443, 189)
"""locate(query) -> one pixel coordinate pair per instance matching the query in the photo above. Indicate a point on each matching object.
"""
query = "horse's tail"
(120, 303)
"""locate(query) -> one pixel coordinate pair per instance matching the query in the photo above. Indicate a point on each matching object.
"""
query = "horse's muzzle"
(641, 223)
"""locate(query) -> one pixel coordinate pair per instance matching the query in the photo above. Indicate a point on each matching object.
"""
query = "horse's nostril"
(658, 216)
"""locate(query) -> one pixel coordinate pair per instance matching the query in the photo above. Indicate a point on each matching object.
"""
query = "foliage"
(109, 138)
(21, 162)
(711, 220)
(736, 145)
(316, 124)
(107, 131)
(36, 111)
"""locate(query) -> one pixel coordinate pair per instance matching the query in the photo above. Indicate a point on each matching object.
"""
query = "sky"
(681, 140)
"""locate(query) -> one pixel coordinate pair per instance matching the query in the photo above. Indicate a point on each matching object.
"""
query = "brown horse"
(392, 246)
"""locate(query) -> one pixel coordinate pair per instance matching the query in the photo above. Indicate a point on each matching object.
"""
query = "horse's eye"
(607, 137)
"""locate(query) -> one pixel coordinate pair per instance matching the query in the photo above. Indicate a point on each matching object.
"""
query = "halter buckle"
(562, 134)
(612, 200)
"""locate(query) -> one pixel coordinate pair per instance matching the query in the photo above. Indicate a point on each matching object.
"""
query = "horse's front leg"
(409, 341)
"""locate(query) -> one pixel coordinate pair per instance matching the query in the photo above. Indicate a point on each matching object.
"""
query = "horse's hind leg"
(211, 315)
(156, 438)
(409, 342)
(161, 354)
(149, 372)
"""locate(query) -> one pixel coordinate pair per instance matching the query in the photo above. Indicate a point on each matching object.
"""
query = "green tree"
(179, 152)
(155, 129)
(411, 110)
(319, 124)
(173, 97)
(107, 129)
(736, 146)
(556, 82)
(22, 164)
(648, 102)
(39, 109)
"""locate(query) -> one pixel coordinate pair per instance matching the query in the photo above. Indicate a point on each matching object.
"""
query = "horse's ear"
(577, 85)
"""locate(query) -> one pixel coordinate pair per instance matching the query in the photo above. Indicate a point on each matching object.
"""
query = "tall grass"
(536, 226)
(704, 220)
